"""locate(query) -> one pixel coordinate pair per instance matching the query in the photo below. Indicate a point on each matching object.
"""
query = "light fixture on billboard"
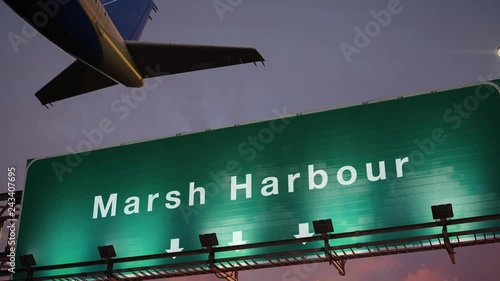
(107, 252)
(209, 240)
(442, 213)
(323, 226)
(28, 261)
(498, 51)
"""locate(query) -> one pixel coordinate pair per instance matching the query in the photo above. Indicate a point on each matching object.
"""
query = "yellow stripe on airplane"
(121, 55)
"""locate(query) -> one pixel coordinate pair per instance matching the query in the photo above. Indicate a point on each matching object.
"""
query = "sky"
(314, 61)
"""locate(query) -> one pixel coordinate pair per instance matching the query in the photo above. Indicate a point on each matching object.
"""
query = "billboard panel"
(370, 166)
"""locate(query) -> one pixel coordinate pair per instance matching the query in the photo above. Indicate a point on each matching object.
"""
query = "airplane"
(102, 35)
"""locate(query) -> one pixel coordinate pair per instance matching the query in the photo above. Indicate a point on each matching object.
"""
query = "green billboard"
(369, 166)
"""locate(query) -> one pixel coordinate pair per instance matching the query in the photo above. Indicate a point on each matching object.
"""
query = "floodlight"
(27, 260)
(323, 226)
(208, 240)
(498, 51)
(442, 212)
(107, 252)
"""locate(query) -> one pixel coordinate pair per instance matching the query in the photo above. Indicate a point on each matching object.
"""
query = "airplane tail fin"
(76, 79)
(129, 16)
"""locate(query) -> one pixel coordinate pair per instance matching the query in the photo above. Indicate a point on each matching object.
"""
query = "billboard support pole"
(339, 264)
(447, 243)
(442, 213)
(30, 273)
(218, 272)
(109, 268)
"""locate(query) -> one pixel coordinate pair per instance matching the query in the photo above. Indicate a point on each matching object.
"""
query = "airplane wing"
(76, 79)
(157, 59)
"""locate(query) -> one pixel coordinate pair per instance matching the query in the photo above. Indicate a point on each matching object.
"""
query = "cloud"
(423, 274)
(374, 269)
(380, 263)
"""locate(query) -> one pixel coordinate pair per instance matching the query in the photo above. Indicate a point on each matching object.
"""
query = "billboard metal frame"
(336, 255)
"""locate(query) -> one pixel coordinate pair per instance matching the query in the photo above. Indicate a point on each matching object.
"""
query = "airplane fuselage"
(83, 29)
(103, 36)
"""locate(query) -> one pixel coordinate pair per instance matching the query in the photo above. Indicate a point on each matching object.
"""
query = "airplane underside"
(108, 54)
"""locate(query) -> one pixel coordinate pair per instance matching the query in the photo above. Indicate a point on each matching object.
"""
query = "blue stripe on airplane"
(129, 16)
(66, 25)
